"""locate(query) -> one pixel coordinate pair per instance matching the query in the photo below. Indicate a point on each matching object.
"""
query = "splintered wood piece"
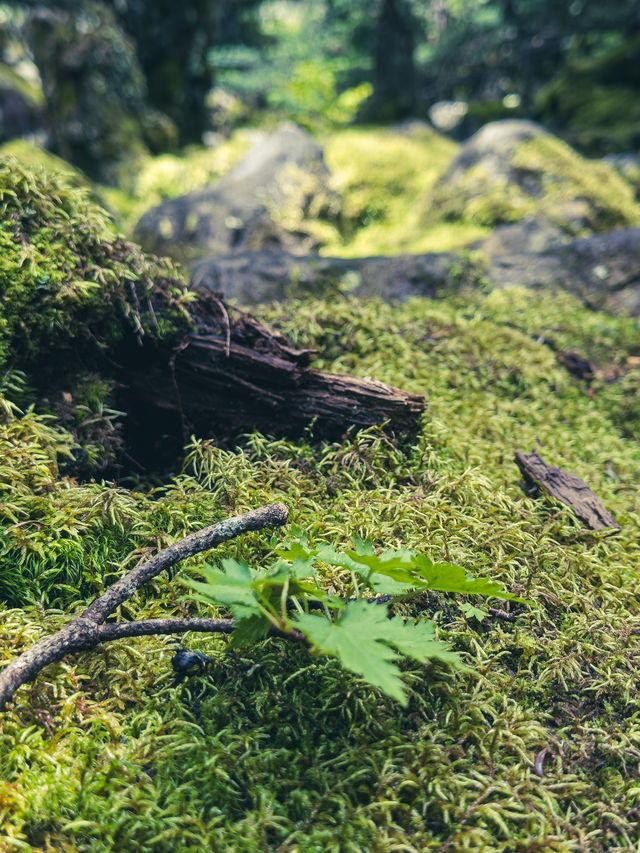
(235, 374)
(566, 487)
(576, 364)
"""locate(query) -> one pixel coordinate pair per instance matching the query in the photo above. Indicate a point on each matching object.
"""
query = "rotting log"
(233, 374)
(90, 628)
(566, 487)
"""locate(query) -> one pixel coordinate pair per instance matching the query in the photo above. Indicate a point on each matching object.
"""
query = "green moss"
(32, 156)
(277, 750)
(385, 177)
(66, 283)
(549, 180)
(12, 80)
(566, 177)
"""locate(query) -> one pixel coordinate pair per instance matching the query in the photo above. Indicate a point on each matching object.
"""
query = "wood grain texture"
(566, 487)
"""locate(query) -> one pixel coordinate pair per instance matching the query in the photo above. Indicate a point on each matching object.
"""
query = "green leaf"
(302, 568)
(233, 586)
(418, 641)
(249, 630)
(362, 547)
(472, 612)
(383, 585)
(295, 551)
(361, 640)
(447, 577)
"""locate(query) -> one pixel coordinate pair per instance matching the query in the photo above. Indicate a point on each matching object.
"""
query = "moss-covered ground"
(390, 197)
(273, 750)
(270, 749)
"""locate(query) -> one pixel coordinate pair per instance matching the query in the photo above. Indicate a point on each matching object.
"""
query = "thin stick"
(88, 629)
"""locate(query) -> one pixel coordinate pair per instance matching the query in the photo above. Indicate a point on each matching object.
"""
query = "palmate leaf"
(361, 640)
(233, 587)
(248, 630)
(397, 571)
(448, 577)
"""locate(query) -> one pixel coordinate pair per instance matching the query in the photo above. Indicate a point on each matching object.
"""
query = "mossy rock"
(628, 165)
(277, 195)
(514, 169)
(167, 176)
(385, 177)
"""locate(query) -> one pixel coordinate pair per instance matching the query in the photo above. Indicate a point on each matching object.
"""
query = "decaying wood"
(566, 487)
(577, 365)
(234, 374)
(89, 629)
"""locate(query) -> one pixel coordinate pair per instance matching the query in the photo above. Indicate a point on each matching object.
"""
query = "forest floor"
(535, 748)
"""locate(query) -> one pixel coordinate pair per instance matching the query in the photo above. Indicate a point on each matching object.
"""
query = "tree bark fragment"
(566, 487)
(232, 376)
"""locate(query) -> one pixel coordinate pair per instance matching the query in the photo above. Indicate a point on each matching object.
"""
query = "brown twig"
(502, 614)
(89, 629)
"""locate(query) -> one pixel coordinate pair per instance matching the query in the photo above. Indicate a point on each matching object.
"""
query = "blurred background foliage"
(106, 82)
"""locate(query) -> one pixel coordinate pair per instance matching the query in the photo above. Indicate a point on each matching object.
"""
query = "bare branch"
(89, 629)
(147, 627)
(272, 515)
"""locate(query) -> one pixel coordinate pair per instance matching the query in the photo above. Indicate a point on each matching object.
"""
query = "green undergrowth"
(152, 181)
(271, 749)
(386, 177)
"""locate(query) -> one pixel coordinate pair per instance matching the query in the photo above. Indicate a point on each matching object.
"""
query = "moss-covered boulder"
(628, 165)
(95, 91)
(514, 169)
(594, 99)
(386, 176)
(276, 196)
(21, 105)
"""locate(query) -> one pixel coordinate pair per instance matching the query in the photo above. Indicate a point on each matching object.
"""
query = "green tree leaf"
(361, 640)
(233, 586)
(249, 630)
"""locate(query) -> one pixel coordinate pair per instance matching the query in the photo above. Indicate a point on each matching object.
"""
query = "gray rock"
(265, 276)
(247, 208)
(493, 146)
(512, 170)
(603, 271)
(628, 165)
(528, 235)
